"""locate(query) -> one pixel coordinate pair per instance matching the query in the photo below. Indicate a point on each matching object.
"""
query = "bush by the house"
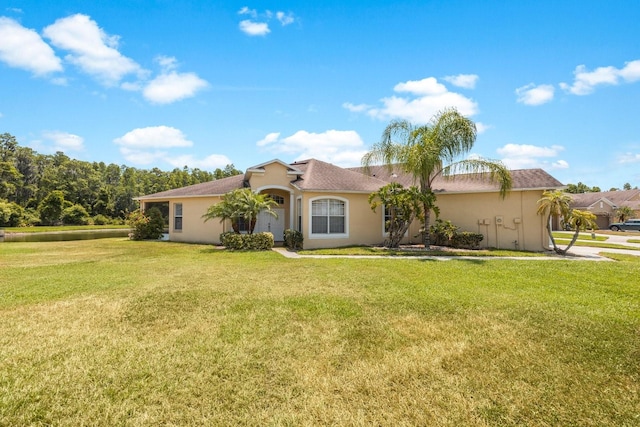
(441, 232)
(250, 242)
(466, 240)
(293, 239)
(147, 226)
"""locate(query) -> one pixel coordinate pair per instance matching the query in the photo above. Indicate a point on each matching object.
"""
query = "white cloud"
(211, 162)
(586, 81)
(153, 137)
(173, 86)
(482, 128)
(55, 140)
(535, 95)
(246, 11)
(629, 158)
(342, 148)
(140, 157)
(258, 25)
(92, 50)
(23, 48)
(252, 28)
(525, 156)
(467, 81)
(285, 18)
(426, 98)
(356, 108)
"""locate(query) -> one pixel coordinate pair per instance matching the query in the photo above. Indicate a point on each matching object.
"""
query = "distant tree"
(229, 170)
(581, 188)
(11, 214)
(613, 189)
(623, 213)
(75, 215)
(402, 206)
(51, 208)
(627, 186)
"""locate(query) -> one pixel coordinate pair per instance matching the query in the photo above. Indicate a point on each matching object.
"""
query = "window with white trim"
(243, 225)
(177, 216)
(299, 209)
(277, 198)
(328, 216)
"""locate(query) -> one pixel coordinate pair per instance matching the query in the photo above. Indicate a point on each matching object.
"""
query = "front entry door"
(271, 224)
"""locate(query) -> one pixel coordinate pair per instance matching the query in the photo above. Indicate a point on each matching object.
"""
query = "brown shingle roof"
(522, 179)
(618, 198)
(210, 188)
(322, 176)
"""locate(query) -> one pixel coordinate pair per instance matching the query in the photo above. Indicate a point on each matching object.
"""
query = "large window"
(328, 217)
(177, 216)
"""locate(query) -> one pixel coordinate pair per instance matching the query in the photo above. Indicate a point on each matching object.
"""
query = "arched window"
(329, 217)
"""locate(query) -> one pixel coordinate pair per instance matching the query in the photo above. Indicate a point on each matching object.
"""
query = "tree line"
(46, 189)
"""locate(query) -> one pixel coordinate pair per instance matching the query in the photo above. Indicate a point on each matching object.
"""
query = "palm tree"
(251, 204)
(623, 213)
(433, 150)
(557, 204)
(580, 221)
(554, 204)
(241, 203)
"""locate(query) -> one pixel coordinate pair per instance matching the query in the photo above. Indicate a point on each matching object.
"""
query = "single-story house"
(604, 204)
(329, 205)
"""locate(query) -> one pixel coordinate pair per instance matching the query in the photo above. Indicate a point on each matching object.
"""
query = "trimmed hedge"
(249, 242)
(466, 240)
(293, 239)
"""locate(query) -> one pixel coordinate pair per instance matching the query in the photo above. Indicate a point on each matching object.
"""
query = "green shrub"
(467, 240)
(293, 239)
(75, 215)
(149, 226)
(11, 214)
(442, 232)
(100, 220)
(250, 242)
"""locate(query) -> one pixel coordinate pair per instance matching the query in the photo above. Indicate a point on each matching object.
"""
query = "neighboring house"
(329, 205)
(605, 203)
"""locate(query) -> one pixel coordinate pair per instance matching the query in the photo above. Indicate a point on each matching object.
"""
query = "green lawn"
(581, 236)
(116, 332)
(54, 228)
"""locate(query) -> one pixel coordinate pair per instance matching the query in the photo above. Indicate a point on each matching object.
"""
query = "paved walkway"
(576, 253)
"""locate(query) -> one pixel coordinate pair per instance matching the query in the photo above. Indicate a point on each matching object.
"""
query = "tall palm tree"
(433, 150)
(580, 221)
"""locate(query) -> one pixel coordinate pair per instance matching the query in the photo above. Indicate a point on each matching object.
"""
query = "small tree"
(241, 203)
(556, 204)
(75, 215)
(402, 206)
(623, 213)
(147, 226)
(51, 207)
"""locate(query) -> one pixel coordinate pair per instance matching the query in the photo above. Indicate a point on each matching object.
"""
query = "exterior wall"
(274, 176)
(364, 227)
(482, 212)
(194, 229)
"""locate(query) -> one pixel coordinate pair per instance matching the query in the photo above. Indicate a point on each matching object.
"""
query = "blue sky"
(550, 84)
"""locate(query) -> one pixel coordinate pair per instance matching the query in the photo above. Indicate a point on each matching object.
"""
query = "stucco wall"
(481, 213)
(364, 225)
(194, 229)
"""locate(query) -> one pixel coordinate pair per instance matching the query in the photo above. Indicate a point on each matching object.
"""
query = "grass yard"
(115, 332)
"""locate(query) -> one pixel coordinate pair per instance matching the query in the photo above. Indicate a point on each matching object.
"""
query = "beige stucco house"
(329, 205)
(605, 203)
